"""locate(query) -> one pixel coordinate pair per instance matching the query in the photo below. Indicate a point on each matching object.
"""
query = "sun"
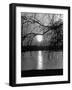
(39, 38)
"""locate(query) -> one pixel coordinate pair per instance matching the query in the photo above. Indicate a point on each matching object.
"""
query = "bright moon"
(39, 38)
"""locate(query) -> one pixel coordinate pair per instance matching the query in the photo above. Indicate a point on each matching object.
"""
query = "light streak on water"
(40, 60)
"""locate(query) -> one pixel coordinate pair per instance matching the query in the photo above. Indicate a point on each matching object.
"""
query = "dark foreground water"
(41, 63)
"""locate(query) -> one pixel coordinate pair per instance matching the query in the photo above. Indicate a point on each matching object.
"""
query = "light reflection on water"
(41, 60)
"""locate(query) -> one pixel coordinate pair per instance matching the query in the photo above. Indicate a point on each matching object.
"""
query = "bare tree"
(56, 27)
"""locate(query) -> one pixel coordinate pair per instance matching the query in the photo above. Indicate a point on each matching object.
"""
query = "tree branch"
(45, 29)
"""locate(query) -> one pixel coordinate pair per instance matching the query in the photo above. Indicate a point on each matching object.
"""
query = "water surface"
(41, 60)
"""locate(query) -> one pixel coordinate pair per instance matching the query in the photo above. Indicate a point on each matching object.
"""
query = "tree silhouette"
(54, 29)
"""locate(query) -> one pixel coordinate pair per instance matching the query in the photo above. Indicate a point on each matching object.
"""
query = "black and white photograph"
(39, 44)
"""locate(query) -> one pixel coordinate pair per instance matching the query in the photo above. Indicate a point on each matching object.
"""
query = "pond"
(41, 60)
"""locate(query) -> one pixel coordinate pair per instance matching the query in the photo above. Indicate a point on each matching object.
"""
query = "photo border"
(12, 43)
